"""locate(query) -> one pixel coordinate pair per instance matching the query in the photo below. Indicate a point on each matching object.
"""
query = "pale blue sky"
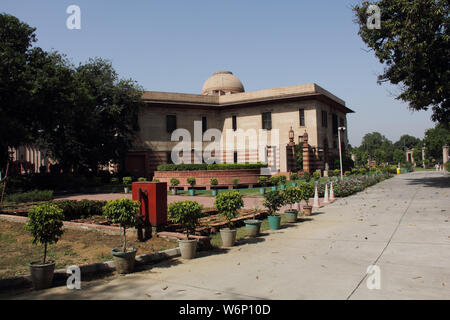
(175, 45)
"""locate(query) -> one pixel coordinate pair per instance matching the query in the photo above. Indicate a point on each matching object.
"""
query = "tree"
(16, 82)
(413, 44)
(406, 142)
(380, 156)
(375, 140)
(399, 156)
(435, 138)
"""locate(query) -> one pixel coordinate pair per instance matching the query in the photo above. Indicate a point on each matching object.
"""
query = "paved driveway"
(401, 225)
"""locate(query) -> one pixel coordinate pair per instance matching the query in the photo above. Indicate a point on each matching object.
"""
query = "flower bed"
(352, 185)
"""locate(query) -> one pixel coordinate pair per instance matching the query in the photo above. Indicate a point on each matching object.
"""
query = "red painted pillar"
(153, 199)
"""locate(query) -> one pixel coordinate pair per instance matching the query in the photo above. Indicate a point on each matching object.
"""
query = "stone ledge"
(89, 270)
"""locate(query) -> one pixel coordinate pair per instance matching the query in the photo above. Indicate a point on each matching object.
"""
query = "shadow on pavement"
(436, 182)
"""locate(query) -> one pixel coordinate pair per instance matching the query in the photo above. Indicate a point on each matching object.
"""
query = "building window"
(335, 124)
(302, 117)
(267, 120)
(171, 123)
(324, 119)
(235, 157)
(234, 120)
(204, 124)
(341, 122)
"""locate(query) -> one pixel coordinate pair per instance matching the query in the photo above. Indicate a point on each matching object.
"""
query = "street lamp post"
(340, 150)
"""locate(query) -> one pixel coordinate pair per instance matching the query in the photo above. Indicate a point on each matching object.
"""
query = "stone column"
(423, 157)
(306, 154)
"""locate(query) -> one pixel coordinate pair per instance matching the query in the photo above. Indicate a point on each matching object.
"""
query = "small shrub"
(214, 181)
(293, 177)
(45, 223)
(316, 175)
(142, 179)
(187, 213)
(73, 209)
(306, 191)
(263, 180)
(347, 173)
(282, 179)
(228, 203)
(447, 166)
(127, 180)
(191, 181)
(155, 180)
(292, 195)
(362, 170)
(273, 200)
(174, 182)
(354, 171)
(235, 182)
(274, 180)
(307, 176)
(123, 212)
(336, 172)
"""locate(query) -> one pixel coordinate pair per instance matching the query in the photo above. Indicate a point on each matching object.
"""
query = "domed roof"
(222, 82)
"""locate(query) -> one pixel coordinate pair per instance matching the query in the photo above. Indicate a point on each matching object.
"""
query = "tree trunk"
(124, 239)
(45, 251)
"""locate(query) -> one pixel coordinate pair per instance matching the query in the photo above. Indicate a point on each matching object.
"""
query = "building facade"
(289, 115)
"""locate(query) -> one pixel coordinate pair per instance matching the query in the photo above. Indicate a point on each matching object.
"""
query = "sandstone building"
(302, 112)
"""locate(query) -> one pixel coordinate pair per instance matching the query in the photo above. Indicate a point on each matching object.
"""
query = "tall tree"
(375, 140)
(435, 138)
(16, 82)
(413, 43)
(406, 142)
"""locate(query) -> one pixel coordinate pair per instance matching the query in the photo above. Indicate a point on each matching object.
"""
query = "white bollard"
(316, 198)
(331, 192)
(325, 196)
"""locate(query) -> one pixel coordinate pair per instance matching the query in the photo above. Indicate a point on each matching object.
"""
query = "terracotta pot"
(307, 210)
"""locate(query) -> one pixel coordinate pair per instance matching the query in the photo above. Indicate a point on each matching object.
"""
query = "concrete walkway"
(401, 225)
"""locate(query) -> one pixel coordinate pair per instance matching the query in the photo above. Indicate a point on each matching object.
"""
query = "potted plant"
(306, 176)
(273, 200)
(316, 175)
(126, 183)
(282, 181)
(142, 179)
(235, 182)
(45, 223)
(274, 180)
(291, 195)
(306, 192)
(123, 212)
(263, 181)
(191, 181)
(174, 182)
(253, 225)
(294, 178)
(228, 203)
(187, 213)
(214, 182)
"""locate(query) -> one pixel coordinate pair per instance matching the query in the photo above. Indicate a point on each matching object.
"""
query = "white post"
(331, 192)
(325, 197)
(316, 198)
(340, 150)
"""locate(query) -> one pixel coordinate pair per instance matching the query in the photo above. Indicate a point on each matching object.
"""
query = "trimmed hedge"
(204, 166)
(73, 209)
(32, 196)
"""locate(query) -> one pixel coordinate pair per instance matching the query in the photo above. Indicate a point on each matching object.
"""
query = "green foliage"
(447, 166)
(316, 175)
(282, 179)
(263, 180)
(292, 195)
(204, 166)
(155, 180)
(406, 142)
(414, 46)
(32, 196)
(191, 181)
(45, 223)
(174, 182)
(435, 138)
(127, 181)
(306, 191)
(307, 176)
(274, 180)
(293, 177)
(362, 170)
(347, 173)
(187, 213)
(399, 156)
(228, 203)
(114, 180)
(235, 181)
(142, 179)
(73, 209)
(273, 200)
(214, 181)
(337, 172)
(123, 212)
